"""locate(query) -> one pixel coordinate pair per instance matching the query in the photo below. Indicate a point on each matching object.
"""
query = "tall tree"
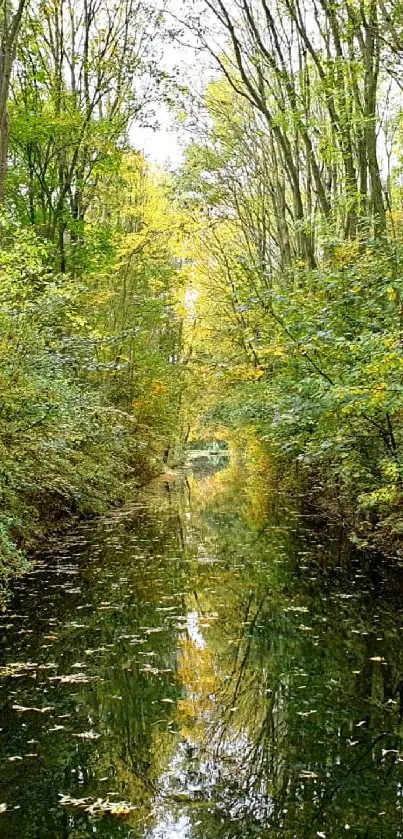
(83, 75)
(10, 24)
(312, 69)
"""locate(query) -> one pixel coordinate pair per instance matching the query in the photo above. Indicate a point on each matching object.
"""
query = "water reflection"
(190, 669)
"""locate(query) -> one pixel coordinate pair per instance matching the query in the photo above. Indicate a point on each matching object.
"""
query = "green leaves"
(89, 360)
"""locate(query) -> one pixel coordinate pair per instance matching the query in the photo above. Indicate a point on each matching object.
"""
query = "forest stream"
(190, 669)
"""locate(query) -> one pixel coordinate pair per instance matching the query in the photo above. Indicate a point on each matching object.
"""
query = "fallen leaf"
(87, 735)
(22, 709)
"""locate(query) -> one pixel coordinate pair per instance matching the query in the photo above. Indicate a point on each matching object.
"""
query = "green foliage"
(329, 390)
(298, 322)
(89, 336)
(89, 363)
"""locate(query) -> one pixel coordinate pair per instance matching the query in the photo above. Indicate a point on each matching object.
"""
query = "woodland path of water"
(191, 669)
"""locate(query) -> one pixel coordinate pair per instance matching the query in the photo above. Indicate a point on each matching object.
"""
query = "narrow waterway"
(198, 667)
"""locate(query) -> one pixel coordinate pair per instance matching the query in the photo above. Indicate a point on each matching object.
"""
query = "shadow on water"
(191, 668)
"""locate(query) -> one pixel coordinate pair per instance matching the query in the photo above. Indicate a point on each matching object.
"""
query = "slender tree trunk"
(10, 27)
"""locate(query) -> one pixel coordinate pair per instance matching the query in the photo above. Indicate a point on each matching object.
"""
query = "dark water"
(191, 669)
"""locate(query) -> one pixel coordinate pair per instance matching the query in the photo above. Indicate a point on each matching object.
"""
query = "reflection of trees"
(240, 685)
(303, 732)
(123, 704)
(264, 755)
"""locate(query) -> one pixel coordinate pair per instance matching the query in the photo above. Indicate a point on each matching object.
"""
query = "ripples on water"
(188, 670)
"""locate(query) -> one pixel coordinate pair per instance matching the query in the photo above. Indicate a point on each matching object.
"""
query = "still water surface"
(193, 669)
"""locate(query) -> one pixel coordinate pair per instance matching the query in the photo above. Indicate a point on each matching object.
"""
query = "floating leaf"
(87, 735)
(98, 806)
(22, 709)
(73, 678)
(306, 713)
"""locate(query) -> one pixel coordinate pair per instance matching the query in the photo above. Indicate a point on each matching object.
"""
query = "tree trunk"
(9, 38)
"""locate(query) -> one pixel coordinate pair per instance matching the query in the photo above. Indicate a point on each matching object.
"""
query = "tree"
(312, 70)
(308, 356)
(76, 91)
(10, 24)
